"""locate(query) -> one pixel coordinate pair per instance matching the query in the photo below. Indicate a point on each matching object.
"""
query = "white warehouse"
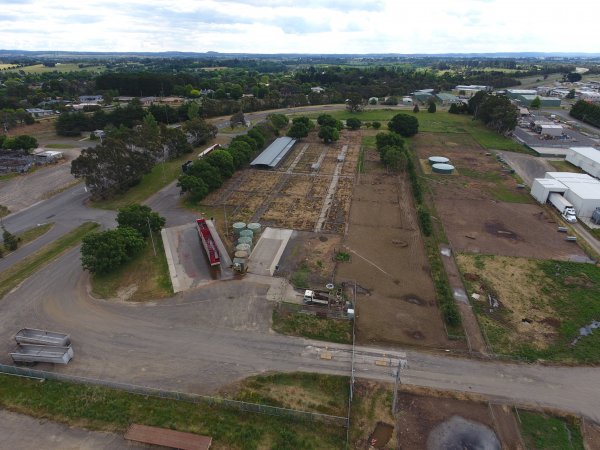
(586, 158)
(581, 190)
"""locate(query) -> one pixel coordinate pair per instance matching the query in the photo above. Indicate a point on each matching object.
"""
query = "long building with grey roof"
(274, 153)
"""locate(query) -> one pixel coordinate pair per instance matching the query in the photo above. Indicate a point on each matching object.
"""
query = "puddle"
(586, 331)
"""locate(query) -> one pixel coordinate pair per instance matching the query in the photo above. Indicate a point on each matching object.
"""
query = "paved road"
(564, 115)
(187, 344)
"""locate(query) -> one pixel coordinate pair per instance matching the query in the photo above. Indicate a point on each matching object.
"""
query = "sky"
(301, 26)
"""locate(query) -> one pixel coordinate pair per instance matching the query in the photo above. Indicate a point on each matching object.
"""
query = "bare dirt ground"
(591, 435)
(396, 298)
(474, 220)
(472, 423)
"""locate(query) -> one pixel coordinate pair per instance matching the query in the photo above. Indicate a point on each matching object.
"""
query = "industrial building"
(469, 90)
(586, 158)
(274, 153)
(526, 99)
(516, 93)
(580, 189)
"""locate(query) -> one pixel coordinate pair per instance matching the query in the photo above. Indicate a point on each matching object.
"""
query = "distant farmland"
(60, 67)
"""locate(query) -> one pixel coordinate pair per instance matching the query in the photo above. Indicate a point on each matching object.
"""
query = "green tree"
(237, 119)
(536, 103)
(140, 218)
(327, 120)
(404, 124)
(193, 111)
(199, 132)
(207, 173)
(11, 242)
(571, 94)
(376, 125)
(388, 139)
(573, 77)
(353, 123)
(222, 160)
(392, 157)
(431, 108)
(354, 103)
(416, 108)
(278, 121)
(194, 185)
(498, 113)
(105, 251)
(174, 142)
(298, 130)
(328, 134)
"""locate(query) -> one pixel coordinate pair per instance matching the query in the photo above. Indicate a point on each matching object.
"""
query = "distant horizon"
(427, 27)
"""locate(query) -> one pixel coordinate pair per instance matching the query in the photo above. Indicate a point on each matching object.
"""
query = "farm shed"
(582, 191)
(274, 153)
(586, 158)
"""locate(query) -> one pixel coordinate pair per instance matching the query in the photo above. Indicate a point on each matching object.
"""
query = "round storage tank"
(237, 227)
(242, 248)
(246, 233)
(245, 240)
(241, 254)
(438, 160)
(254, 227)
(443, 168)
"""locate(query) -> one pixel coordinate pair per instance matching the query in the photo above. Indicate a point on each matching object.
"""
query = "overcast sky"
(302, 26)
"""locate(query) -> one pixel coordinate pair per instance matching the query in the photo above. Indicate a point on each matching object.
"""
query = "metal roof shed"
(587, 158)
(274, 153)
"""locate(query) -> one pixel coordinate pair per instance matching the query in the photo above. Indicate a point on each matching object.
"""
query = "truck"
(42, 337)
(563, 206)
(27, 353)
(208, 242)
(312, 297)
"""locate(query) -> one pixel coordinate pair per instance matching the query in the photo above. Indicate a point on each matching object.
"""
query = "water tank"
(246, 233)
(254, 227)
(240, 254)
(242, 248)
(596, 216)
(237, 227)
(245, 240)
(443, 168)
(438, 160)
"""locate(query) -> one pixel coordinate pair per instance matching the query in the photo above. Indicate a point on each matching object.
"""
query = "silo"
(438, 160)
(238, 227)
(445, 169)
(245, 240)
(255, 228)
(246, 233)
(240, 254)
(242, 248)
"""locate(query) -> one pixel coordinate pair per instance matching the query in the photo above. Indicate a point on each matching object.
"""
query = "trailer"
(563, 206)
(27, 353)
(208, 242)
(313, 297)
(42, 337)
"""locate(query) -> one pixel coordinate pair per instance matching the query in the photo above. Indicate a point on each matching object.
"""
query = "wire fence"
(179, 396)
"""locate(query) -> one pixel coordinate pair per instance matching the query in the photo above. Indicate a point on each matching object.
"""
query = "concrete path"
(18, 431)
(331, 191)
(268, 250)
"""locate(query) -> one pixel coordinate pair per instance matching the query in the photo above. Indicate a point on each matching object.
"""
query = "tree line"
(586, 112)
(495, 111)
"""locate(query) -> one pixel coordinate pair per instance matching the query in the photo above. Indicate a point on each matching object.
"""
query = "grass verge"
(565, 166)
(60, 146)
(312, 327)
(112, 410)
(20, 271)
(545, 432)
(32, 234)
(542, 306)
(372, 403)
(146, 277)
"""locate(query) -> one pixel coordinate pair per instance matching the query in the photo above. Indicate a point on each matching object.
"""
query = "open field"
(396, 301)
(483, 210)
(546, 432)
(106, 409)
(60, 67)
(540, 306)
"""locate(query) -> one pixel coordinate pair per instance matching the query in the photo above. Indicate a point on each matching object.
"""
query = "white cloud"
(308, 26)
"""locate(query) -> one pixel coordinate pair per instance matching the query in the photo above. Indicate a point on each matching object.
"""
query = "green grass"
(67, 67)
(312, 327)
(544, 432)
(32, 234)
(112, 410)
(60, 146)
(148, 272)
(8, 176)
(299, 278)
(325, 394)
(499, 191)
(160, 176)
(20, 271)
(565, 166)
(4, 211)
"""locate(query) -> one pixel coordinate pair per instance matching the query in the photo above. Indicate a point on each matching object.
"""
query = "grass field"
(543, 305)
(112, 410)
(145, 277)
(439, 122)
(312, 327)
(545, 432)
(60, 67)
(20, 271)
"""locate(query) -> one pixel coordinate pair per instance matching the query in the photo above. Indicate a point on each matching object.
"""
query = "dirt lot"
(292, 196)
(396, 299)
(482, 209)
(441, 422)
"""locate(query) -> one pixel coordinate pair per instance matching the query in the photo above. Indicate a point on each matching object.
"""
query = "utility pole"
(151, 237)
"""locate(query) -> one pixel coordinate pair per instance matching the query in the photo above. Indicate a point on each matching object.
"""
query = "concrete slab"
(268, 250)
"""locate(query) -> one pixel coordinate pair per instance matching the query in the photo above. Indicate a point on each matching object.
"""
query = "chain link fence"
(180, 396)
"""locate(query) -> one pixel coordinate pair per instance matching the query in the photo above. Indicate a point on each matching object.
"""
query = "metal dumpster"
(28, 353)
(42, 337)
